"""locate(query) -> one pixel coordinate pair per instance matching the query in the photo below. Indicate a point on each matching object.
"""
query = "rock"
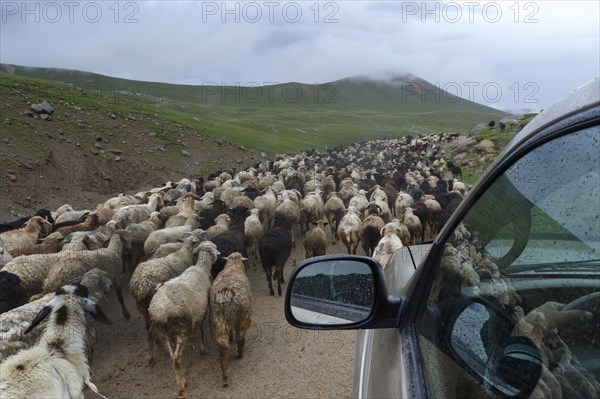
(486, 146)
(263, 154)
(113, 116)
(98, 146)
(97, 138)
(478, 129)
(94, 151)
(185, 153)
(46, 117)
(8, 121)
(464, 142)
(27, 165)
(27, 113)
(116, 151)
(117, 158)
(12, 178)
(42, 108)
(152, 134)
(460, 156)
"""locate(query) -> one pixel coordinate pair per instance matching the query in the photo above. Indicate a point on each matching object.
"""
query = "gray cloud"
(541, 53)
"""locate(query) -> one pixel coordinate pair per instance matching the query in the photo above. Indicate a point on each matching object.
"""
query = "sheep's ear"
(244, 259)
(381, 231)
(42, 314)
(95, 311)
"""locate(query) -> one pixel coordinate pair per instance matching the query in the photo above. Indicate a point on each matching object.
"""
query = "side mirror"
(481, 340)
(340, 292)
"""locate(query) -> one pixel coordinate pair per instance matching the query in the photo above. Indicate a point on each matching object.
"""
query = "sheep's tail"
(93, 387)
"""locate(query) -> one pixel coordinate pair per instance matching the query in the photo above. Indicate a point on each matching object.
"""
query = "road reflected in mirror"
(333, 292)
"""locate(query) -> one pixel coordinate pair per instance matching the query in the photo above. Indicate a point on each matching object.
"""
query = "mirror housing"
(340, 292)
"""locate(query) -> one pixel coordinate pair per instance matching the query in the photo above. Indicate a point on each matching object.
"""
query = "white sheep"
(253, 230)
(348, 229)
(222, 223)
(414, 225)
(179, 306)
(137, 213)
(312, 209)
(57, 366)
(76, 263)
(403, 201)
(171, 234)
(14, 322)
(187, 210)
(230, 309)
(152, 272)
(359, 201)
(266, 205)
(390, 242)
(291, 212)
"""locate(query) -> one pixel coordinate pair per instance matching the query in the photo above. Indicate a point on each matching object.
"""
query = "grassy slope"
(279, 118)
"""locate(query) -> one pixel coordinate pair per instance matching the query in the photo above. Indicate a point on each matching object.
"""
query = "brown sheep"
(230, 309)
(26, 236)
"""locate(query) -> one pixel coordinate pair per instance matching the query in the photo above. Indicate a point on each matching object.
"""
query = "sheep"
(359, 201)
(170, 247)
(171, 234)
(77, 263)
(154, 271)
(26, 236)
(390, 242)
(222, 223)
(71, 216)
(369, 233)
(459, 187)
(17, 224)
(414, 225)
(289, 210)
(348, 229)
(90, 223)
(57, 365)
(275, 247)
(187, 210)
(315, 242)
(138, 234)
(51, 244)
(253, 230)
(14, 322)
(5, 257)
(311, 209)
(379, 208)
(105, 215)
(232, 240)
(137, 213)
(96, 239)
(347, 192)
(266, 205)
(179, 306)
(334, 211)
(433, 208)
(31, 272)
(403, 201)
(230, 309)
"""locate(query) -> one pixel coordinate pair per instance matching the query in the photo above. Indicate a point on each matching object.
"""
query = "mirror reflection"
(333, 292)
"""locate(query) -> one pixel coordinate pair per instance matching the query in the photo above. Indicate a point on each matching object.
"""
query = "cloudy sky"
(508, 54)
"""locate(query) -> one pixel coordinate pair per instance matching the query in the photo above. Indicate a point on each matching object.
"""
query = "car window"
(515, 296)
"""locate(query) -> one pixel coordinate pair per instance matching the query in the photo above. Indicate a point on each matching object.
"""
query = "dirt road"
(280, 360)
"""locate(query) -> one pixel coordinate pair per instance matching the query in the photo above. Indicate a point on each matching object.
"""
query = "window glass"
(515, 300)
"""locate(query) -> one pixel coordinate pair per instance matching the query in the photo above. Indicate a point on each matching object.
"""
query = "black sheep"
(275, 247)
(208, 216)
(18, 223)
(12, 294)
(232, 240)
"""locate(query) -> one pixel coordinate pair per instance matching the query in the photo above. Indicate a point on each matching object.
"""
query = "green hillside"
(280, 118)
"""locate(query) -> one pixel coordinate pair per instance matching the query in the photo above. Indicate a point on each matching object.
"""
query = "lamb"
(222, 223)
(266, 205)
(253, 230)
(137, 213)
(78, 263)
(315, 242)
(26, 236)
(148, 274)
(369, 233)
(171, 234)
(334, 211)
(179, 306)
(390, 242)
(14, 322)
(57, 365)
(348, 229)
(231, 309)
(170, 247)
(275, 247)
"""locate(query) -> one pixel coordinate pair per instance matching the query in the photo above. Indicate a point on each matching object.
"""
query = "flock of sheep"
(185, 248)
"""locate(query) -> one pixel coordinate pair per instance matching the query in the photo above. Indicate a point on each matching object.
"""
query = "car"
(505, 302)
